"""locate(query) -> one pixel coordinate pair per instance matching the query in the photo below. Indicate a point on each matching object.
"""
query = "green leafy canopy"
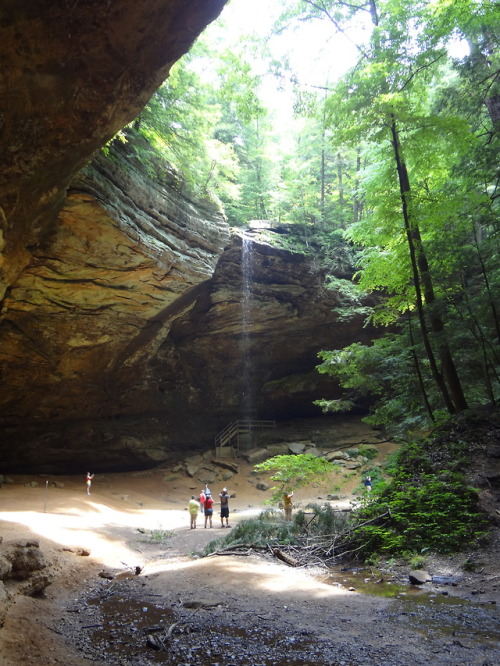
(293, 471)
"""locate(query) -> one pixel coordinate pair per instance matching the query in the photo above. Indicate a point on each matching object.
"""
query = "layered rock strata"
(142, 326)
(72, 75)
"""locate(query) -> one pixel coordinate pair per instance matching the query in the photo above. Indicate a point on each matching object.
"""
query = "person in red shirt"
(209, 504)
(202, 502)
(88, 481)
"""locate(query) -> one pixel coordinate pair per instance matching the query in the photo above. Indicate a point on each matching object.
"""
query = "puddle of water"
(450, 617)
(429, 611)
(122, 626)
(369, 581)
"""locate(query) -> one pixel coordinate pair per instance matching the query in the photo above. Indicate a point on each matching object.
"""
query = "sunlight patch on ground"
(284, 580)
(90, 525)
(277, 578)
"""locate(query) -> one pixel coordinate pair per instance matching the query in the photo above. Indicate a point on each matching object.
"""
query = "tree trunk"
(416, 363)
(448, 382)
(357, 207)
(341, 189)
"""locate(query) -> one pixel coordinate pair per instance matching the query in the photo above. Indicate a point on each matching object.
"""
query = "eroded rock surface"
(126, 330)
(72, 75)
(133, 333)
(23, 570)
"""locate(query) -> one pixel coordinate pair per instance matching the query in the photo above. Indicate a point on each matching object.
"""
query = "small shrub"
(267, 529)
(369, 452)
(415, 561)
(159, 536)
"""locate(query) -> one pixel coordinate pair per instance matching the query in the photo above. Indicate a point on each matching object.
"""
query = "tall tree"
(385, 99)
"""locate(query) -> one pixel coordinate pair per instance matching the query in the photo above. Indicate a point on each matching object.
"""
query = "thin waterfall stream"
(247, 277)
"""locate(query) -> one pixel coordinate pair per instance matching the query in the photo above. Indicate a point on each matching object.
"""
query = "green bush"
(267, 528)
(369, 452)
(435, 511)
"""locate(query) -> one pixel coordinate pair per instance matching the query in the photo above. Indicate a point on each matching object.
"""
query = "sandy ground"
(140, 520)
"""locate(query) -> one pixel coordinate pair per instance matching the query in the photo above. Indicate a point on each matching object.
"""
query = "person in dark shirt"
(224, 508)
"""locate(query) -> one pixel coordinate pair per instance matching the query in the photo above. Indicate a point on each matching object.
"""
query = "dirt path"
(220, 610)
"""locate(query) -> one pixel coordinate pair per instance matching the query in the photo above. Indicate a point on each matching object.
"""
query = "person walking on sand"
(224, 507)
(287, 503)
(88, 481)
(209, 509)
(202, 501)
(193, 509)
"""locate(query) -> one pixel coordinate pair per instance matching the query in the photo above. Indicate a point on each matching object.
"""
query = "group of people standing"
(205, 504)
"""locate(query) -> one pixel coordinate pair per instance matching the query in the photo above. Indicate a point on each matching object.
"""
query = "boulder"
(191, 469)
(36, 583)
(297, 447)
(256, 456)
(5, 567)
(28, 566)
(336, 455)
(4, 603)
(277, 449)
(206, 476)
(227, 464)
(313, 451)
(419, 577)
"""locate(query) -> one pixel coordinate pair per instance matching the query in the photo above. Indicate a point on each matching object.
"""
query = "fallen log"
(287, 559)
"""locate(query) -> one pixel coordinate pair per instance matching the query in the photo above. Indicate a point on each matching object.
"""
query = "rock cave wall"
(124, 339)
(72, 75)
(121, 329)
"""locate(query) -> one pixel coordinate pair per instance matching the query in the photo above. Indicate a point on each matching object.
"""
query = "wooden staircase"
(230, 436)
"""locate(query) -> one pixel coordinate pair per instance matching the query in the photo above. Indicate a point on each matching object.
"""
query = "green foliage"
(293, 471)
(406, 85)
(267, 529)
(426, 505)
(159, 536)
(178, 124)
(382, 372)
(438, 513)
(325, 521)
(368, 451)
(415, 561)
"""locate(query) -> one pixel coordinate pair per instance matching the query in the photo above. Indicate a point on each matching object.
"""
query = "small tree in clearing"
(293, 471)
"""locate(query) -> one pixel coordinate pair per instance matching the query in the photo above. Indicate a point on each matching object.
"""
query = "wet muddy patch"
(430, 609)
(203, 621)
(135, 631)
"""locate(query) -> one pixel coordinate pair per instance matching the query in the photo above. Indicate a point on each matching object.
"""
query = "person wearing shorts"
(202, 501)
(224, 508)
(88, 481)
(209, 509)
(193, 509)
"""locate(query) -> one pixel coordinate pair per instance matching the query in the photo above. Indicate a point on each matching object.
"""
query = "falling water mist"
(248, 390)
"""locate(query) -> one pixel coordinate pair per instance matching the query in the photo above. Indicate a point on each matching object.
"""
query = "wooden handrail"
(239, 428)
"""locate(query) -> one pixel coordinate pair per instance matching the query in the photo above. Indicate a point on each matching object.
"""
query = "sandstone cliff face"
(142, 326)
(72, 75)
(126, 330)
(125, 258)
